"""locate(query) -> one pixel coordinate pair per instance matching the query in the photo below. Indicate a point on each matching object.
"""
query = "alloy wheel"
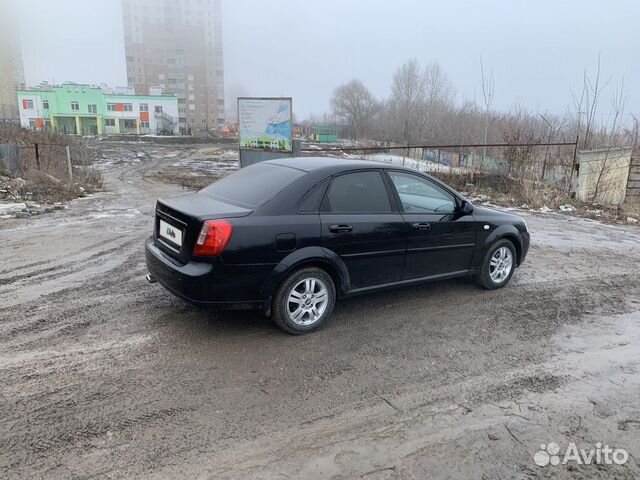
(307, 301)
(501, 264)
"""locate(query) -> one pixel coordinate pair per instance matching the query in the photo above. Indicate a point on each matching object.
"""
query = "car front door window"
(419, 195)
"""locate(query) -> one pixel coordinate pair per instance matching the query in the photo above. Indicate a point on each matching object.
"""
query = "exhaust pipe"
(150, 278)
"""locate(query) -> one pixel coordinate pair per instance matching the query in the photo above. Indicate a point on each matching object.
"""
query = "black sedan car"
(290, 236)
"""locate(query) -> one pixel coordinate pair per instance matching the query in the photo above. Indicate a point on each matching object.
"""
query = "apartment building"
(11, 68)
(177, 46)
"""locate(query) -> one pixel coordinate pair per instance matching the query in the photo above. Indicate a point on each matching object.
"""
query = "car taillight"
(214, 236)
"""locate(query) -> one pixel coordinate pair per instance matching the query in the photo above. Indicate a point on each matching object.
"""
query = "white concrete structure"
(602, 175)
(156, 114)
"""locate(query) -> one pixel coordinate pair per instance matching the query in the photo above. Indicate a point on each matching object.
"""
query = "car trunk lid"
(178, 221)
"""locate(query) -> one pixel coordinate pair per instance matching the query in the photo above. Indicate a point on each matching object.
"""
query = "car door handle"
(421, 226)
(340, 228)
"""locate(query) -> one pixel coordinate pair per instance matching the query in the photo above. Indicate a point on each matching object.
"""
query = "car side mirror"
(466, 207)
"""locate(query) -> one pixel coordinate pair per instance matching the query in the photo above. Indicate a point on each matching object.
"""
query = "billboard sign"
(265, 123)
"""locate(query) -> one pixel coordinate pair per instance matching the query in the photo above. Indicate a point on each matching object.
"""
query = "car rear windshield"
(252, 185)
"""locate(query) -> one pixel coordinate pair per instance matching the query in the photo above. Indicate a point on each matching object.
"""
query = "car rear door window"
(311, 201)
(358, 192)
(419, 195)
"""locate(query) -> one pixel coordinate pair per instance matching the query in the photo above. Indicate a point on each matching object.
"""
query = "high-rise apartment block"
(176, 45)
(11, 69)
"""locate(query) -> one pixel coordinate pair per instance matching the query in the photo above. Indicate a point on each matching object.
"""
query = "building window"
(128, 107)
(111, 107)
(129, 124)
(45, 104)
(75, 106)
(27, 104)
(144, 107)
(109, 122)
(93, 108)
(158, 109)
(144, 124)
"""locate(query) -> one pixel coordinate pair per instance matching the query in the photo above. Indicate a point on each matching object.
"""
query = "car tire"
(304, 301)
(492, 274)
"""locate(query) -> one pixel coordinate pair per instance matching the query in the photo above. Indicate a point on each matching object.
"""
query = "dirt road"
(105, 376)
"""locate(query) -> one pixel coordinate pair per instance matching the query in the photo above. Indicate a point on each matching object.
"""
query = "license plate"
(171, 233)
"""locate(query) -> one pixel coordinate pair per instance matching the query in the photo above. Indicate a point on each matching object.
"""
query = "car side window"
(311, 201)
(357, 192)
(419, 195)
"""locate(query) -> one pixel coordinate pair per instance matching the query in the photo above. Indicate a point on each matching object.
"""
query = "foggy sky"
(537, 50)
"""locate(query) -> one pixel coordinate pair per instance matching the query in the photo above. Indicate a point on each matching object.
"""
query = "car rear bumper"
(203, 284)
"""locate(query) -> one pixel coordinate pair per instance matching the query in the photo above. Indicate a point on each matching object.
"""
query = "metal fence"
(51, 158)
(249, 156)
(10, 158)
(552, 162)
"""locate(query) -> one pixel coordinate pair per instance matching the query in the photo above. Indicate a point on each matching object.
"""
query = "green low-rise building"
(324, 133)
(92, 110)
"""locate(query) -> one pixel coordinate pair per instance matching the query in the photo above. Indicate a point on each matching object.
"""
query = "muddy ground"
(105, 376)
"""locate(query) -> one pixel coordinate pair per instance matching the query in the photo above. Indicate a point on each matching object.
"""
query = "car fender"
(504, 231)
(298, 258)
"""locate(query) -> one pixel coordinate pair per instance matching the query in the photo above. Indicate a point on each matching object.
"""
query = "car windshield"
(253, 185)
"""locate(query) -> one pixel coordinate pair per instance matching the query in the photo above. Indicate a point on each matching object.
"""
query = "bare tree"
(555, 126)
(520, 129)
(619, 101)
(407, 93)
(354, 106)
(488, 89)
(421, 110)
(438, 98)
(586, 105)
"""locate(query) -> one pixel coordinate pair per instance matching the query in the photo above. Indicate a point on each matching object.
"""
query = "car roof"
(333, 165)
(312, 164)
